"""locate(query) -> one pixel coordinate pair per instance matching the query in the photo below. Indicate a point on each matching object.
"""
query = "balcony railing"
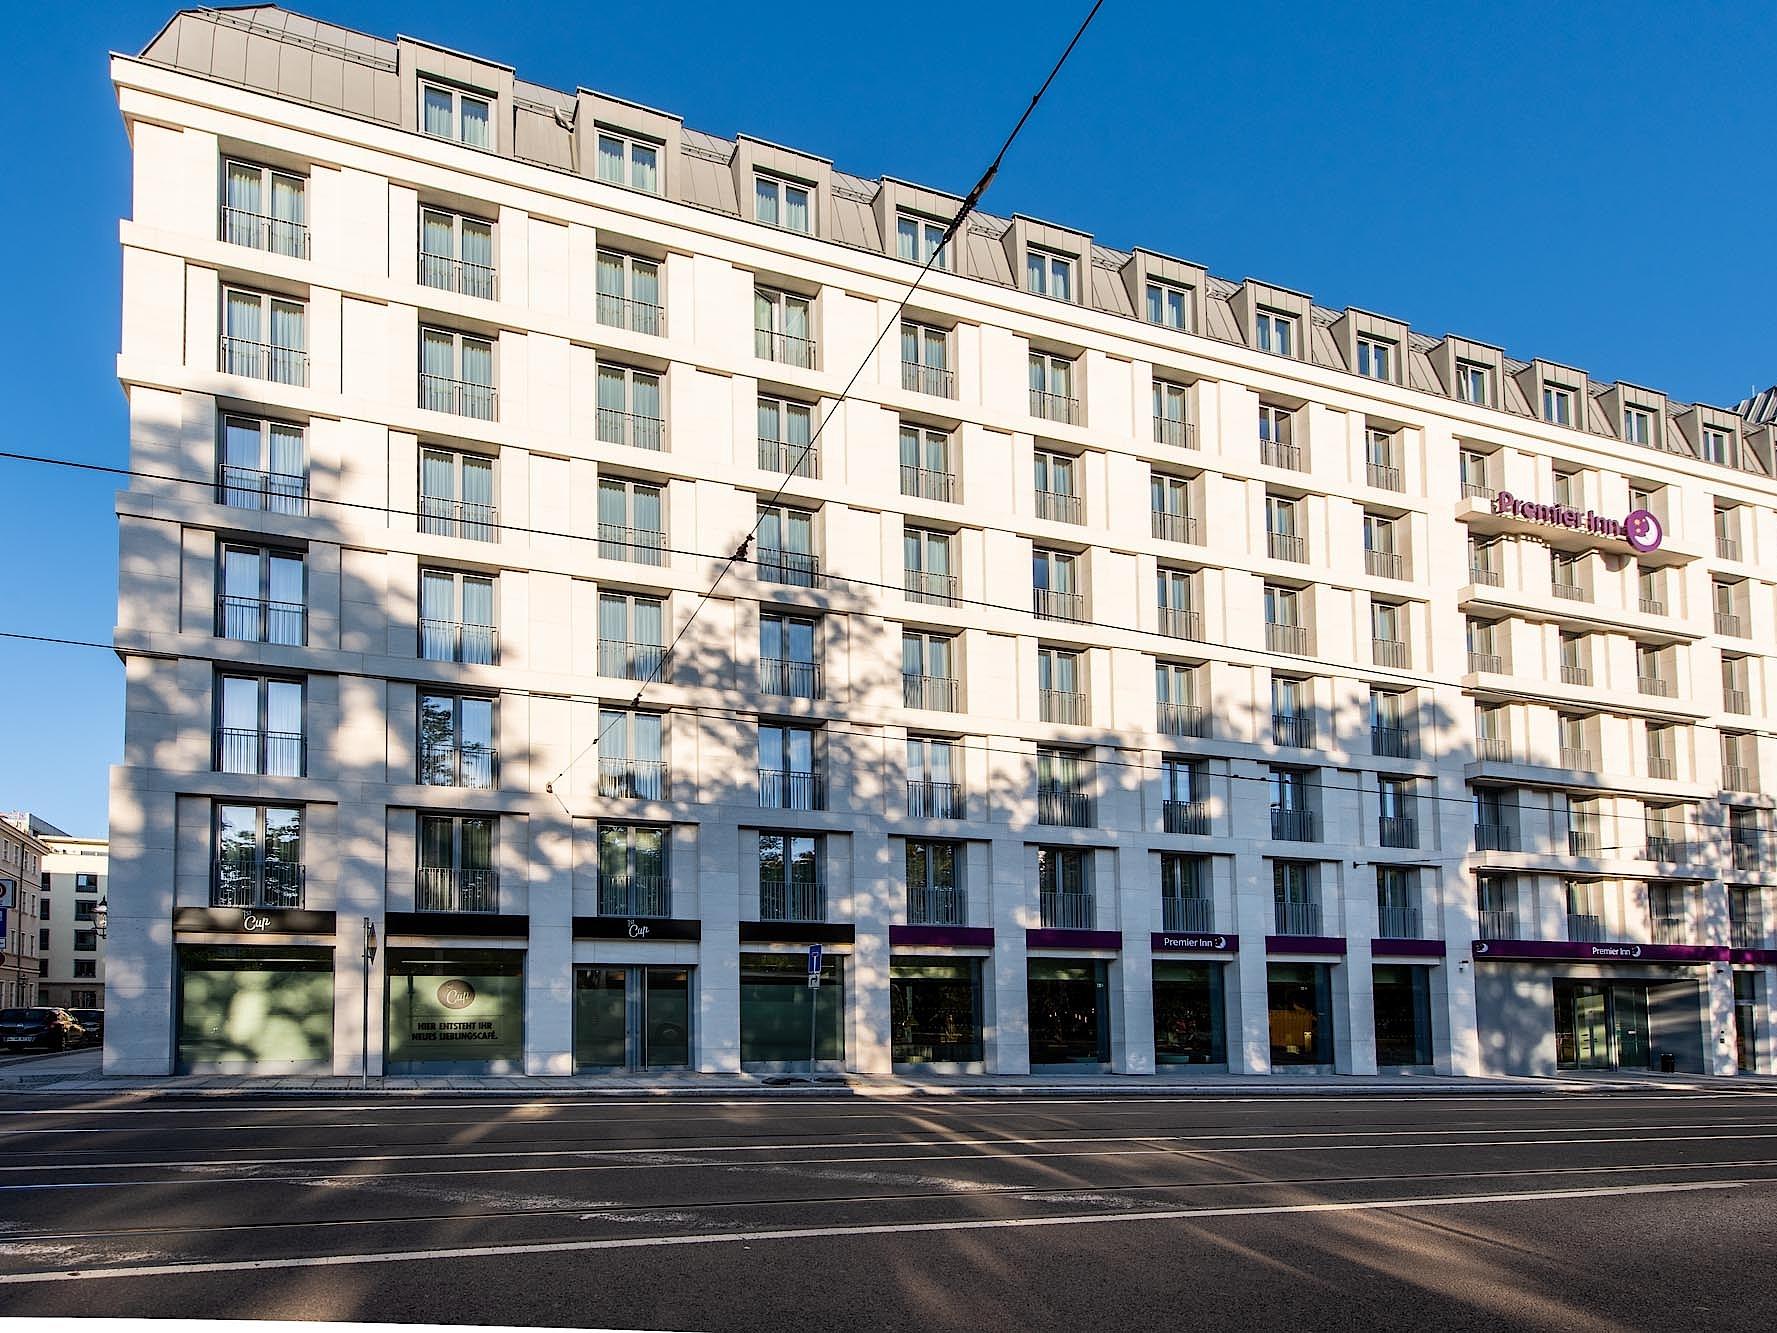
(1486, 662)
(934, 800)
(620, 312)
(1384, 477)
(1496, 837)
(623, 779)
(1575, 675)
(1572, 592)
(1274, 453)
(936, 905)
(472, 766)
(1284, 546)
(794, 900)
(1583, 842)
(454, 889)
(1295, 729)
(1576, 758)
(1295, 825)
(1748, 850)
(459, 518)
(1391, 742)
(1067, 706)
(1584, 928)
(797, 569)
(1175, 431)
(1181, 719)
(255, 488)
(1738, 777)
(1398, 923)
(1070, 809)
(791, 789)
(1059, 506)
(1672, 930)
(262, 231)
(796, 460)
(635, 429)
(938, 693)
(1477, 490)
(1296, 918)
(1195, 916)
(1067, 911)
(259, 620)
(1185, 816)
(1486, 576)
(1726, 622)
(463, 398)
(1180, 622)
(795, 678)
(1391, 653)
(1652, 606)
(1054, 407)
(1660, 766)
(1171, 527)
(1048, 604)
(1385, 564)
(622, 660)
(634, 895)
(453, 641)
(1736, 701)
(916, 377)
(457, 275)
(1657, 685)
(787, 348)
(1496, 749)
(273, 753)
(257, 883)
(639, 546)
(1727, 548)
(1397, 830)
(929, 588)
(1668, 848)
(925, 483)
(1746, 933)
(264, 361)
(1286, 638)
(1498, 925)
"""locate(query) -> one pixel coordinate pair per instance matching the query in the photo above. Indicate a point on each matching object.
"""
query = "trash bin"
(1668, 1062)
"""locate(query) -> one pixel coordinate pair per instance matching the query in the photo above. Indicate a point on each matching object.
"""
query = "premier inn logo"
(1640, 528)
(456, 994)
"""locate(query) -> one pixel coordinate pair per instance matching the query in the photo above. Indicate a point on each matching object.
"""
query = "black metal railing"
(1296, 918)
(1572, 592)
(622, 660)
(456, 889)
(1734, 777)
(1285, 546)
(939, 693)
(1499, 925)
(1389, 741)
(1048, 604)
(1172, 719)
(1486, 662)
(1286, 638)
(1584, 928)
(1171, 527)
(262, 231)
(926, 483)
(917, 377)
(797, 569)
(795, 678)
(453, 641)
(1736, 701)
(622, 312)
(1295, 825)
(1726, 622)
(459, 518)
(929, 588)
(634, 895)
(1296, 729)
(1180, 622)
(1384, 476)
(254, 488)
(796, 460)
(1497, 749)
(1656, 685)
(1275, 453)
(639, 546)
(1175, 431)
(794, 900)
(622, 779)
(1575, 675)
(1668, 848)
(934, 800)
(791, 789)
(264, 361)
(463, 398)
(1066, 911)
(260, 620)
(1490, 837)
(1385, 564)
(936, 905)
(1397, 830)
(636, 429)
(1577, 758)
(787, 348)
(1193, 915)
(472, 766)
(250, 882)
(1054, 407)
(456, 275)
(1069, 809)
(1727, 548)
(1059, 506)
(1067, 706)
(1486, 576)
(1185, 816)
(1391, 653)
(1398, 923)
(273, 753)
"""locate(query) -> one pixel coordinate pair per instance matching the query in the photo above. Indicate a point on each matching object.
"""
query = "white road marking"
(876, 1229)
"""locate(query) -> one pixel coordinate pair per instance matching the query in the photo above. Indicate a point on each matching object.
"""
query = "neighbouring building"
(22, 850)
(1423, 725)
(70, 947)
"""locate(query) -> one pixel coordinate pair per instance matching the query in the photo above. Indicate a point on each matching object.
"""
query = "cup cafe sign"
(1639, 527)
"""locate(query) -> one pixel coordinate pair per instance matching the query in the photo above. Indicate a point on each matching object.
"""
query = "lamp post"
(369, 958)
(101, 916)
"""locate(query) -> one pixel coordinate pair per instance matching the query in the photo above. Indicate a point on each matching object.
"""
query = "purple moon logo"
(1642, 530)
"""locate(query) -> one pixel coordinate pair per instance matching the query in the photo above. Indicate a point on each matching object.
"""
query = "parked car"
(93, 1020)
(41, 1027)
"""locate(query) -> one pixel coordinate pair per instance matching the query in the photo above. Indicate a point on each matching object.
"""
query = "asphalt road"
(1598, 1211)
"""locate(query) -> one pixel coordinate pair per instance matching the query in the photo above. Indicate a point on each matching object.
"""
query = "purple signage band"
(941, 937)
(1184, 942)
(1600, 953)
(1407, 948)
(1641, 528)
(1752, 956)
(1304, 944)
(1051, 938)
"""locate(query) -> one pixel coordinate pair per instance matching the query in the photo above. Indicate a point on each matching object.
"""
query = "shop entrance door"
(1601, 1025)
(1069, 1013)
(632, 1017)
(1745, 1016)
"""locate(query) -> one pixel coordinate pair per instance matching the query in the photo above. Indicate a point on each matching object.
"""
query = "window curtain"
(771, 529)
(909, 344)
(765, 201)
(910, 453)
(437, 596)
(438, 112)
(283, 706)
(610, 275)
(799, 640)
(240, 703)
(770, 420)
(287, 466)
(938, 658)
(478, 481)
(240, 573)
(244, 310)
(287, 214)
(610, 159)
(647, 737)
(771, 748)
(439, 354)
(475, 726)
(644, 282)
(912, 551)
(478, 601)
(937, 554)
(648, 618)
(906, 239)
(287, 326)
(613, 734)
(613, 506)
(613, 390)
(614, 619)
(647, 509)
(243, 204)
(438, 476)
(644, 167)
(912, 656)
(478, 243)
(1034, 272)
(1039, 375)
(478, 361)
(478, 844)
(646, 389)
(938, 761)
(795, 208)
(477, 125)
(799, 529)
(798, 425)
(437, 235)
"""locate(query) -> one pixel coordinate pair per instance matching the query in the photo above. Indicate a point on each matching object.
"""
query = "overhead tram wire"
(951, 229)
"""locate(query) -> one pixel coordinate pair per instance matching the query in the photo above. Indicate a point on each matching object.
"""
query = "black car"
(40, 1028)
(93, 1020)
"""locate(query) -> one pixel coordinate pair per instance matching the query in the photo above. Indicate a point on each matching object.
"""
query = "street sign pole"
(369, 958)
(814, 1000)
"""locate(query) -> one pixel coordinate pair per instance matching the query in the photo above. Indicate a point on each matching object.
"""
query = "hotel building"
(1135, 670)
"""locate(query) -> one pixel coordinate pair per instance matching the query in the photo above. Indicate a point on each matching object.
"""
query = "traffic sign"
(814, 967)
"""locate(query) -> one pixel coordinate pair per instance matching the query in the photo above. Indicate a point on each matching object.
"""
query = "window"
(792, 883)
(1175, 695)
(453, 113)
(1717, 445)
(1059, 694)
(625, 160)
(1063, 787)
(1557, 405)
(1277, 447)
(1283, 540)
(1726, 597)
(457, 617)
(933, 787)
(1273, 332)
(1567, 576)
(1567, 487)
(264, 465)
(919, 239)
(258, 856)
(1284, 631)
(1172, 415)
(1053, 577)
(457, 374)
(1638, 425)
(456, 870)
(1382, 555)
(629, 407)
(1391, 718)
(1296, 906)
(1735, 684)
(43, 940)
(1727, 531)
(456, 740)
(786, 546)
(1576, 658)
(926, 466)
(783, 328)
(632, 870)
(1654, 668)
(86, 941)
(84, 907)
(1397, 903)
(1185, 901)
(927, 571)
(1571, 729)
(457, 253)
(1381, 459)
(259, 723)
(1175, 596)
(789, 768)
(789, 663)
(1472, 466)
(1375, 359)
(265, 208)
(629, 293)
(934, 884)
(1388, 634)
(781, 203)
(928, 670)
(1057, 487)
(1474, 383)
(632, 756)
(1738, 762)
(1397, 826)
(457, 495)
(631, 637)
(262, 598)
(786, 438)
(1048, 274)
(631, 521)
(1292, 712)
(1064, 889)
(1169, 501)
(264, 337)
(925, 360)
(1650, 583)
(1168, 305)
(1052, 388)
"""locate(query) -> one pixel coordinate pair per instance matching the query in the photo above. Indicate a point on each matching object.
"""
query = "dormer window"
(1273, 332)
(781, 203)
(1638, 425)
(626, 161)
(1474, 383)
(1168, 305)
(1715, 445)
(1375, 359)
(450, 113)
(1557, 405)
(1049, 274)
(918, 239)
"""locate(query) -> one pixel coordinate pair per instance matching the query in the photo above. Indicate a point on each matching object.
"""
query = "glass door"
(1745, 1017)
(632, 1017)
(1591, 1027)
(1628, 1009)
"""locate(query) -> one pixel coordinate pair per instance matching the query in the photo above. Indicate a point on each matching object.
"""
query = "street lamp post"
(369, 958)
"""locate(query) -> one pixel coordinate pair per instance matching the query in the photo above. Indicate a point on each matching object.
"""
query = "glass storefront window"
(246, 1009)
(1301, 1013)
(1403, 1015)
(456, 1010)
(1069, 1012)
(775, 1010)
(935, 1009)
(632, 1017)
(1189, 1023)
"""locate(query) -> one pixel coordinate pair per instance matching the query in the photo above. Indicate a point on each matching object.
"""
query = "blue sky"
(1588, 183)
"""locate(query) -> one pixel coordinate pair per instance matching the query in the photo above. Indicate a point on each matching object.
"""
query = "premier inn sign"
(1639, 527)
